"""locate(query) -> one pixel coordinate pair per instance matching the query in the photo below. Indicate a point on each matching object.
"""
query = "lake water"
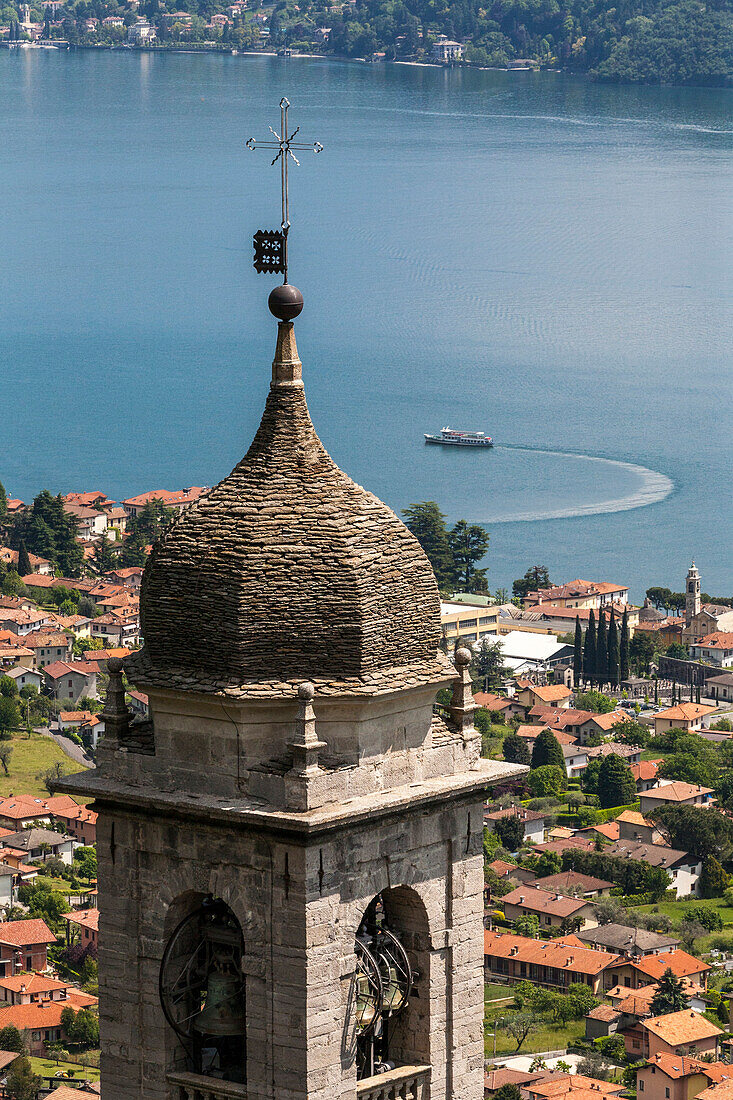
(531, 255)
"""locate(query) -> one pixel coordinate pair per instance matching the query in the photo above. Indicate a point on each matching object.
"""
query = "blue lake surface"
(530, 255)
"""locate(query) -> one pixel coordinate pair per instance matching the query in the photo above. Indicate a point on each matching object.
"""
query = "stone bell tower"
(692, 595)
(290, 849)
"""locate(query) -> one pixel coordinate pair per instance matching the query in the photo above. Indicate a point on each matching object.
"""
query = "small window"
(636, 1044)
(641, 1086)
(666, 1093)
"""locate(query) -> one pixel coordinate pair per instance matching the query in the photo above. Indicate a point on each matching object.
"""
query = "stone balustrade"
(403, 1083)
(192, 1086)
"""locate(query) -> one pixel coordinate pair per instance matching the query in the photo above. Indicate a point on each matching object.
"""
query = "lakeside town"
(608, 901)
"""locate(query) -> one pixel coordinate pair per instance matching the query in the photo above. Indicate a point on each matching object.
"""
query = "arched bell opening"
(202, 989)
(391, 1018)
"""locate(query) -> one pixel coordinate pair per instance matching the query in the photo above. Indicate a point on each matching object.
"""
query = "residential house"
(82, 722)
(550, 963)
(21, 622)
(601, 1021)
(549, 695)
(580, 594)
(634, 826)
(41, 844)
(94, 499)
(665, 631)
(645, 774)
(559, 846)
(714, 649)
(577, 1087)
(138, 703)
(532, 820)
(523, 652)
(553, 910)
(720, 688)
(575, 884)
(130, 577)
(508, 708)
(683, 716)
(118, 628)
(495, 1079)
(19, 811)
(531, 733)
(679, 1033)
(12, 653)
(31, 988)
(140, 34)
(80, 821)
(117, 519)
(83, 924)
(99, 657)
(602, 724)
(91, 523)
(176, 501)
(23, 945)
(630, 753)
(683, 869)
(25, 677)
(576, 760)
(445, 50)
(671, 1077)
(637, 973)
(71, 680)
(627, 942)
(551, 618)
(48, 647)
(40, 1022)
(38, 565)
(9, 879)
(675, 794)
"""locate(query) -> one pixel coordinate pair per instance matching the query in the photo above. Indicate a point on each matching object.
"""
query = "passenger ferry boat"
(450, 437)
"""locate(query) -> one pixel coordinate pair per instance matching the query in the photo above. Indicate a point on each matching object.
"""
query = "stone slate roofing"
(286, 571)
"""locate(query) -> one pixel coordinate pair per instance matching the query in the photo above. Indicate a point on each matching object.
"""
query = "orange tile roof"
(610, 830)
(719, 639)
(181, 496)
(578, 960)
(33, 1017)
(681, 1027)
(576, 1085)
(550, 692)
(540, 901)
(75, 715)
(676, 1066)
(645, 769)
(85, 918)
(530, 732)
(501, 867)
(22, 806)
(722, 1090)
(32, 983)
(490, 701)
(679, 962)
(676, 792)
(64, 1092)
(566, 881)
(20, 933)
(688, 711)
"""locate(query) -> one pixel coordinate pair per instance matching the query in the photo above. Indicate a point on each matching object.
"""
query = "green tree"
(515, 749)
(427, 523)
(22, 1082)
(616, 784)
(510, 831)
(595, 701)
(613, 656)
(9, 715)
(489, 663)
(623, 648)
(578, 651)
(3, 507)
(534, 579)
(630, 732)
(678, 651)
(11, 1039)
(546, 750)
(713, 879)
(8, 687)
(6, 751)
(669, 996)
(641, 651)
(528, 925)
(508, 1092)
(104, 559)
(24, 562)
(468, 545)
(521, 1024)
(548, 864)
(589, 654)
(700, 831)
(549, 781)
(602, 649)
(699, 766)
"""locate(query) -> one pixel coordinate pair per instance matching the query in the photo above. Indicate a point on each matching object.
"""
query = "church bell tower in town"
(290, 848)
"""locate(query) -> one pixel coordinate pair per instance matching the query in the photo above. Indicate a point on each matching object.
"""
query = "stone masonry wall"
(299, 904)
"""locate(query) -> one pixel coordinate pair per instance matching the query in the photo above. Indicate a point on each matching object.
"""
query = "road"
(76, 752)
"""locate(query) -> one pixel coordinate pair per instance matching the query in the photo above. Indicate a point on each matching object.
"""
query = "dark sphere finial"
(285, 302)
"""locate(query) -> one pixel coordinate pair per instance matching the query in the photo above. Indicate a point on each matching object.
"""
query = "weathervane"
(271, 245)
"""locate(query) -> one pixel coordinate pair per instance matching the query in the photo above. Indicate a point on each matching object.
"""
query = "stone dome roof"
(286, 571)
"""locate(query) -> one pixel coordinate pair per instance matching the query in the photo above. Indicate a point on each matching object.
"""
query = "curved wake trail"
(654, 487)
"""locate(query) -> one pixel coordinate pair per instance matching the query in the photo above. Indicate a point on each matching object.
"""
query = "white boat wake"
(654, 487)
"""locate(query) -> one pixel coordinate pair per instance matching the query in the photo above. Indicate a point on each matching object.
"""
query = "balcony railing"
(192, 1086)
(403, 1083)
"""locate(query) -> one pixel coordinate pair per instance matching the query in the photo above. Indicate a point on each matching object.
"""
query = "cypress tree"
(612, 649)
(602, 649)
(24, 562)
(578, 651)
(3, 500)
(623, 649)
(547, 751)
(616, 784)
(589, 655)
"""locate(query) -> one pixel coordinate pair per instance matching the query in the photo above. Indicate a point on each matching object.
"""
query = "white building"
(524, 652)
(714, 649)
(445, 50)
(140, 34)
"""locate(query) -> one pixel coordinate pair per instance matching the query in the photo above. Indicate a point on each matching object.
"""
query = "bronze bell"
(223, 1014)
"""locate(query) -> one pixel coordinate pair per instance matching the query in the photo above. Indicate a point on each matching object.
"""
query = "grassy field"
(548, 1037)
(48, 1068)
(676, 910)
(31, 757)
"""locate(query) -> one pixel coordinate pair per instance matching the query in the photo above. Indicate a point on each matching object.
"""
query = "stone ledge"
(249, 813)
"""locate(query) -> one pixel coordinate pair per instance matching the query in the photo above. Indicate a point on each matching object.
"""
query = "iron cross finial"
(271, 247)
